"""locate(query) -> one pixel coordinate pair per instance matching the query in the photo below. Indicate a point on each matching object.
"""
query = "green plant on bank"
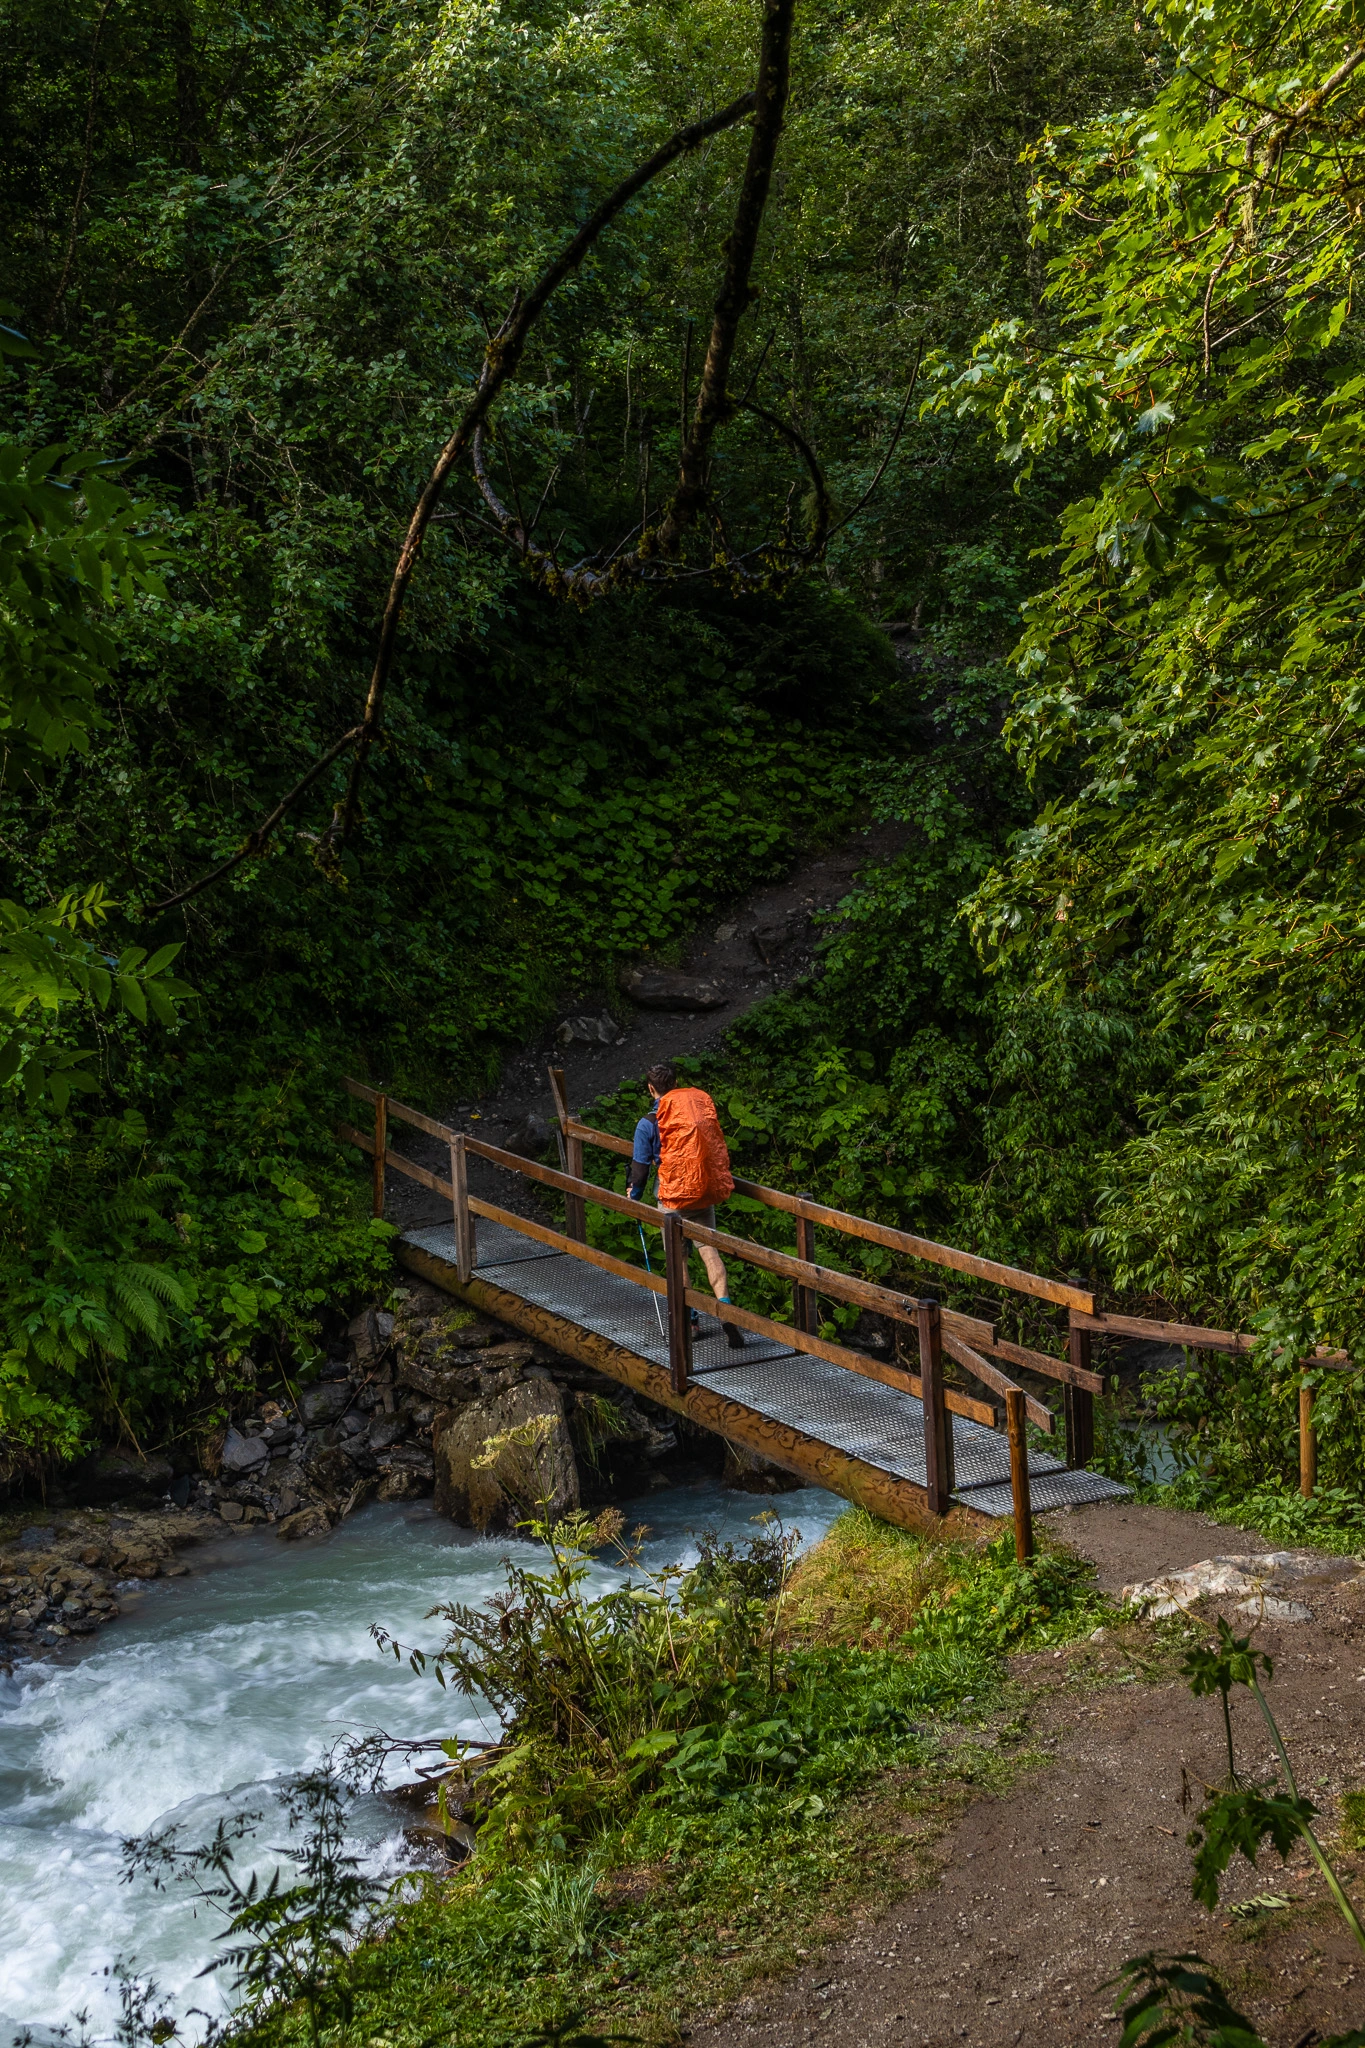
(1177, 1998)
(680, 1760)
(74, 550)
(290, 1943)
(680, 1786)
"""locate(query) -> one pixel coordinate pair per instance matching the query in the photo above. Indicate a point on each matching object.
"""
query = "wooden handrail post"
(1019, 1480)
(575, 1208)
(938, 1452)
(679, 1321)
(464, 1216)
(1308, 1442)
(805, 1313)
(571, 1152)
(381, 1146)
(1079, 1403)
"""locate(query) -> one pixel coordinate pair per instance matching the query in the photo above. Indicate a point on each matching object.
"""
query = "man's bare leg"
(715, 1270)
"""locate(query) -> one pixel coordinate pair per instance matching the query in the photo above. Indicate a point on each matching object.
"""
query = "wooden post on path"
(464, 1218)
(805, 1314)
(1015, 1417)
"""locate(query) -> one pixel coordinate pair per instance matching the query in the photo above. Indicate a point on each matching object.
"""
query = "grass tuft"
(866, 1584)
(1353, 1820)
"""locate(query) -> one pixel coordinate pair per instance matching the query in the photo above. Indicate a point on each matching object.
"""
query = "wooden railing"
(937, 1329)
(971, 1341)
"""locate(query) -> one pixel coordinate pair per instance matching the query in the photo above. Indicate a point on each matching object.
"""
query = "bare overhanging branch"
(256, 839)
(501, 358)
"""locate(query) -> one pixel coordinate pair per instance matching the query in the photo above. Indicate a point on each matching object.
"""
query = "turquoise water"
(210, 1688)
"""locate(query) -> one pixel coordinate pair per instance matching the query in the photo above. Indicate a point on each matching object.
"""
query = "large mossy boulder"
(505, 1456)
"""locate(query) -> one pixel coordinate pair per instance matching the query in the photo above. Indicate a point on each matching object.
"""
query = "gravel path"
(1041, 1894)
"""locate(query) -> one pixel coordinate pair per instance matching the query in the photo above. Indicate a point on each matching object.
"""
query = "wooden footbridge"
(903, 1444)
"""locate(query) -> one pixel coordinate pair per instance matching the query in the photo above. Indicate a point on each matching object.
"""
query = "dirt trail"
(1044, 1892)
(728, 949)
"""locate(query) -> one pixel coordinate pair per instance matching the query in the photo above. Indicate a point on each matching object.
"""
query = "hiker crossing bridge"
(918, 1452)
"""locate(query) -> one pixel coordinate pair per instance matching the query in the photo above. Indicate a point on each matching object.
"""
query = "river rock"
(329, 1472)
(387, 1431)
(309, 1521)
(243, 1453)
(368, 1335)
(324, 1402)
(231, 1510)
(746, 1472)
(498, 1357)
(442, 1381)
(400, 1485)
(122, 1475)
(504, 1457)
(668, 988)
(408, 1458)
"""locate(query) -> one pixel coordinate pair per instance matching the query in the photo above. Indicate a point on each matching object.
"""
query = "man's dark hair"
(663, 1077)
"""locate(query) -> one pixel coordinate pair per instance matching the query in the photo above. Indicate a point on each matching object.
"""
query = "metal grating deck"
(882, 1426)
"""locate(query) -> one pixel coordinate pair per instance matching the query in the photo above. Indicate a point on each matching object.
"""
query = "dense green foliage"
(1196, 662)
(1140, 1055)
(254, 252)
(1198, 653)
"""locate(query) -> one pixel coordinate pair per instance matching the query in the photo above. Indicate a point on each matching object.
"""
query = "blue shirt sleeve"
(646, 1151)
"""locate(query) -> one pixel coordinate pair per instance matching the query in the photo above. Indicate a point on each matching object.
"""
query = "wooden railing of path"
(971, 1342)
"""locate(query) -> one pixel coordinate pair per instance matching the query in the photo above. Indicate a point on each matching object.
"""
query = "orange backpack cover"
(694, 1162)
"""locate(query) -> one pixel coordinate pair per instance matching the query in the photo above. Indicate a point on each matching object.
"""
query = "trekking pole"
(659, 1314)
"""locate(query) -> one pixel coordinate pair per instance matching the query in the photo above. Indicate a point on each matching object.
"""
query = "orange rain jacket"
(694, 1162)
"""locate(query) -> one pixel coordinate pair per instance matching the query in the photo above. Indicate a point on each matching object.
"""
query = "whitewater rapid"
(213, 1688)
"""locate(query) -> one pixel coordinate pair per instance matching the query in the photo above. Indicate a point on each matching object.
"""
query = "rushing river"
(207, 1690)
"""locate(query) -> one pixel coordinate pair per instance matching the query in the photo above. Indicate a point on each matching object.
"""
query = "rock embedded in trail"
(603, 1030)
(774, 940)
(532, 1136)
(668, 988)
(1252, 1586)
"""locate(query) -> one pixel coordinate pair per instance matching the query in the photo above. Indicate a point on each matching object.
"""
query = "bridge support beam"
(894, 1500)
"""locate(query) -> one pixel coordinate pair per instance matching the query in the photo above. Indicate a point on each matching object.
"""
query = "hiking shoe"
(694, 1319)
